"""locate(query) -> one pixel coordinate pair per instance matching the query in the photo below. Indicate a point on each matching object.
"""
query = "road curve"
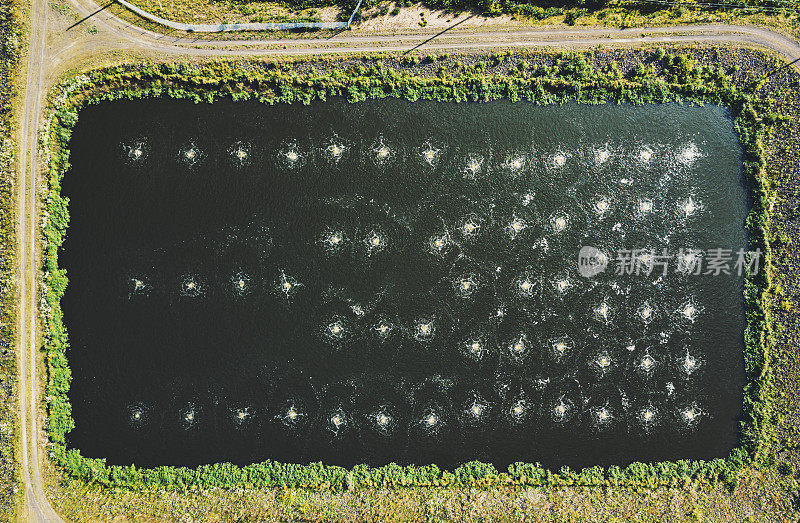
(38, 508)
(51, 53)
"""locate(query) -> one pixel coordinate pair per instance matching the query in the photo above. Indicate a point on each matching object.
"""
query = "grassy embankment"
(10, 487)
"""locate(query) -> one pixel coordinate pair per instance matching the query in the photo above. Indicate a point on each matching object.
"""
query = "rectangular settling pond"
(394, 281)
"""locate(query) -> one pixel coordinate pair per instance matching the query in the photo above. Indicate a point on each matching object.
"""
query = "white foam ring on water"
(603, 312)
(602, 416)
(690, 414)
(689, 310)
(519, 346)
(424, 329)
(515, 163)
(602, 154)
(644, 207)
(602, 205)
(648, 417)
(440, 244)
(240, 416)
(191, 155)
(561, 346)
(470, 226)
(189, 416)
(332, 239)
(515, 227)
(647, 363)
(688, 207)
(383, 328)
(383, 420)
(561, 410)
(240, 283)
(527, 198)
(431, 421)
(602, 362)
(474, 347)
(137, 150)
(526, 285)
(290, 155)
(239, 153)
(559, 159)
(337, 421)
(335, 150)
(645, 155)
(689, 363)
(286, 285)
(645, 260)
(336, 329)
(358, 309)
(473, 167)
(562, 284)
(688, 260)
(138, 414)
(466, 285)
(429, 154)
(646, 312)
(291, 416)
(626, 403)
(382, 152)
(138, 286)
(191, 286)
(477, 409)
(518, 411)
(501, 311)
(375, 241)
(689, 154)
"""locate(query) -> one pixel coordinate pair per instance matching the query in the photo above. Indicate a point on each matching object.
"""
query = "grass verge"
(10, 484)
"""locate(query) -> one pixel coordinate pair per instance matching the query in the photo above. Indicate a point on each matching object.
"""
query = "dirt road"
(57, 45)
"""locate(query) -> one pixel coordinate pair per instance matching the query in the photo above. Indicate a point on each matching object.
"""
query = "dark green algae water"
(378, 282)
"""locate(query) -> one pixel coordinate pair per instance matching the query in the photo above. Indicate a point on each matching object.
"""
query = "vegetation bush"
(540, 9)
(785, 468)
(570, 78)
(10, 490)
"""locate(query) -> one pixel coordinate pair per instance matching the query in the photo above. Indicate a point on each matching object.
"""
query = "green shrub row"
(541, 9)
(10, 485)
(570, 78)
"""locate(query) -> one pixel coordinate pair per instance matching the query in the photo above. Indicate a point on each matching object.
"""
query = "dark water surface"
(377, 282)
